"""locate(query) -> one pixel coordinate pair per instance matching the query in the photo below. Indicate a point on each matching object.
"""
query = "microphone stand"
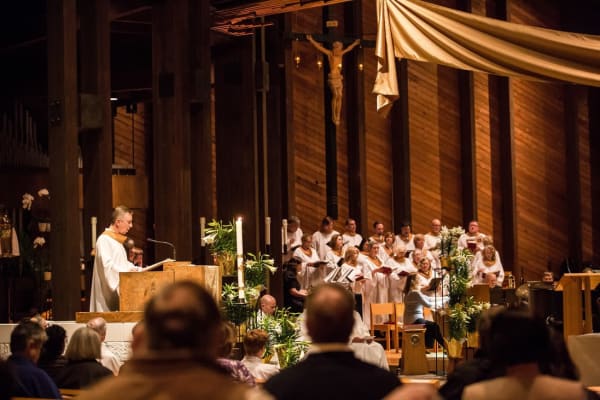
(166, 244)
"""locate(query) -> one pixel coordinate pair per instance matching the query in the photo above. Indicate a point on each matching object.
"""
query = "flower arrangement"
(36, 224)
(449, 240)
(221, 239)
(283, 337)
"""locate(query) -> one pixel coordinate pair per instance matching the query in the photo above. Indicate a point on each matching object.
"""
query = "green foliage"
(221, 237)
(283, 336)
(458, 321)
(459, 275)
(256, 269)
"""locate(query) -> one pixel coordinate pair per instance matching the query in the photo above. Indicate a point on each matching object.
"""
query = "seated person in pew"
(255, 345)
(82, 369)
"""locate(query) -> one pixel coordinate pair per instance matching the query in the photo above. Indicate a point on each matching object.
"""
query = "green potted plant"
(221, 240)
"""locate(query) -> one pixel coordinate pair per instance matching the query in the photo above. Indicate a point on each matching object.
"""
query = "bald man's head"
(330, 314)
(268, 304)
(99, 325)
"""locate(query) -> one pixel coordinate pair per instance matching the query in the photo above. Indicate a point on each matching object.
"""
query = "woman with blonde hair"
(488, 263)
(82, 354)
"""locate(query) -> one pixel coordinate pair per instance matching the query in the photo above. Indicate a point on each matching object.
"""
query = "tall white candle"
(94, 222)
(268, 231)
(238, 237)
(285, 236)
(240, 258)
(202, 231)
(282, 242)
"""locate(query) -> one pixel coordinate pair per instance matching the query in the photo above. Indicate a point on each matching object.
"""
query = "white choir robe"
(398, 282)
(433, 242)
(111, 258)
(479, 277)
(383, 255)
(308, 276)
(320, 241)
(372, 353)
(375, 288)
(408, 244)
(465, 238)
(293, 240)
(352, 240)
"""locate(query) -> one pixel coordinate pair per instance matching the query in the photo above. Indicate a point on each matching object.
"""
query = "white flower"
(43, 192)
(27, 200)
(210, 239)
(38, 242)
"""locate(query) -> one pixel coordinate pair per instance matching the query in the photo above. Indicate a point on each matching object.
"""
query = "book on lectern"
(156, 265)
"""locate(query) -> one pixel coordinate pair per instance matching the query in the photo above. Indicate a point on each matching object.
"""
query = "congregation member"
(108, 358)
(294, 236)
(267, 307)
(401, 267)
(488, 264)
(377, 283)
(414, 301)
(255, 345)
(472, 239)
(521, 345)
(311, 271)
(351, 237)
(378, 231)
(26, 342)
(182, 332)
(235, 368)
(405, 236)
(331, 370)
(82, 369)
(323, 236)
(110, 260)
(52, 359)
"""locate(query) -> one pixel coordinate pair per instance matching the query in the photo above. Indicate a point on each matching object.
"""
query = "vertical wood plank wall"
(435, 154)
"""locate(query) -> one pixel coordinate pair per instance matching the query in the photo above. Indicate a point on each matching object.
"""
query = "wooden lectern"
(136, 288)
(413, 350)
(574, 323)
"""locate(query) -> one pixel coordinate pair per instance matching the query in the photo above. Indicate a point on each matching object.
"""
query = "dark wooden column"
(572, 171)
(274, 165)
(467, 137)
(401, 150)
(171, 111)
(96, 119)
(236, 141)
(200, 123)
(503, 179)
(64, 173)
(594, 127)
(355, 115)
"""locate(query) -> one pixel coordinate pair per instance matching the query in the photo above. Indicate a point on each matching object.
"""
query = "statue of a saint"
(334, 56)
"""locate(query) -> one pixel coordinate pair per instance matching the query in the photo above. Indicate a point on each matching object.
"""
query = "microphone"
(165, 243)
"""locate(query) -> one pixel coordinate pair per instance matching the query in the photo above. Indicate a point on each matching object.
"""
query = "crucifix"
(335, 78)
(335, 82)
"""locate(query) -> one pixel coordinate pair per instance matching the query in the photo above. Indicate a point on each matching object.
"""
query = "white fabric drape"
(420, 31)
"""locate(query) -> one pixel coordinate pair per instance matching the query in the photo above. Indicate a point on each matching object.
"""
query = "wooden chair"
(399, 323)
(386, 310)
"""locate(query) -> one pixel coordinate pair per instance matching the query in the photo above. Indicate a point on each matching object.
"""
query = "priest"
(111, 258)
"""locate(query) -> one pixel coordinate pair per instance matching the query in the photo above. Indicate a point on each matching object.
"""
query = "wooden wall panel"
(378, 139)
(309, 134)
(129, 138)
(585, 174)
(538, 118)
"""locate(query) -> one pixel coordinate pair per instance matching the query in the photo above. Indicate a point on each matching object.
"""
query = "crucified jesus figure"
(334, 56)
